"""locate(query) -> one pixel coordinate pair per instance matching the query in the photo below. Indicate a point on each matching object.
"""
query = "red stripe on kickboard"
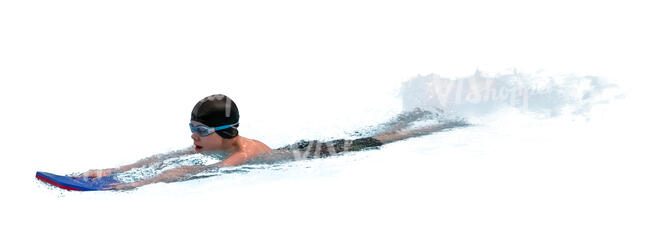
(56, 184)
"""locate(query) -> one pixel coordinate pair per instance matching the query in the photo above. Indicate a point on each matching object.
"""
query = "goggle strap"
(226, 126)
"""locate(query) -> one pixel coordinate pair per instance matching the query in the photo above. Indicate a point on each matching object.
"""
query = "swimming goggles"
(205, 130)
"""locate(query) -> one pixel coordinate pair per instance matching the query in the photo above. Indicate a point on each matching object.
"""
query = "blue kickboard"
(77, 183)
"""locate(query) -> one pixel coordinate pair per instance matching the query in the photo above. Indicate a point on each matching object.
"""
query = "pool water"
(555, 164)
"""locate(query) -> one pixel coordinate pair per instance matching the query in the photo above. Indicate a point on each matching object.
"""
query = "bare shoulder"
(261, 145)
(257, 146)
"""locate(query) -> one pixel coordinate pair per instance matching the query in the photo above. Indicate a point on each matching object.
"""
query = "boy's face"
(212, 142)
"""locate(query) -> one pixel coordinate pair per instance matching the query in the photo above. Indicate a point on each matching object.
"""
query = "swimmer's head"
(215, 111)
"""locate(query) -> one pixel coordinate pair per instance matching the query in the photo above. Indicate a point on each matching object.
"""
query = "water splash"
(150, 171)
(432, 99)
(481, 94)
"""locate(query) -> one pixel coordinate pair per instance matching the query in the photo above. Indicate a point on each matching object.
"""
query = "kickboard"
(77, 183)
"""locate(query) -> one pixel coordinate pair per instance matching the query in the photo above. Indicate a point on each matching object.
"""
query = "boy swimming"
(214, 122)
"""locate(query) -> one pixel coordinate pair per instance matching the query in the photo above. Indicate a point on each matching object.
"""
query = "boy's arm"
(180, 172)
(143, 162)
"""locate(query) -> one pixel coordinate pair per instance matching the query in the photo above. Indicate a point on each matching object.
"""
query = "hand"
(97, 173)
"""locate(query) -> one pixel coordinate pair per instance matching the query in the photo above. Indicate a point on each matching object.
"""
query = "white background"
(90, 84)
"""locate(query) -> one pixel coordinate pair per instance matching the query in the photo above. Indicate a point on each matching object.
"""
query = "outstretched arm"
(142, 162)
(176, 174)
(166, 176)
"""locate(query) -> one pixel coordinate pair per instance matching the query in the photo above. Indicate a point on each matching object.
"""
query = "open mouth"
(197, 147)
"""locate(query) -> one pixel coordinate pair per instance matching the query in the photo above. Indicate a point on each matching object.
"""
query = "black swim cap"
(217, 110)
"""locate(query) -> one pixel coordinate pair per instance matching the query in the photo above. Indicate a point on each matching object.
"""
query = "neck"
(232, 145)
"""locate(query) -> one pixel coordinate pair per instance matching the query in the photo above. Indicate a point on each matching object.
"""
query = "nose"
(195, 136)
